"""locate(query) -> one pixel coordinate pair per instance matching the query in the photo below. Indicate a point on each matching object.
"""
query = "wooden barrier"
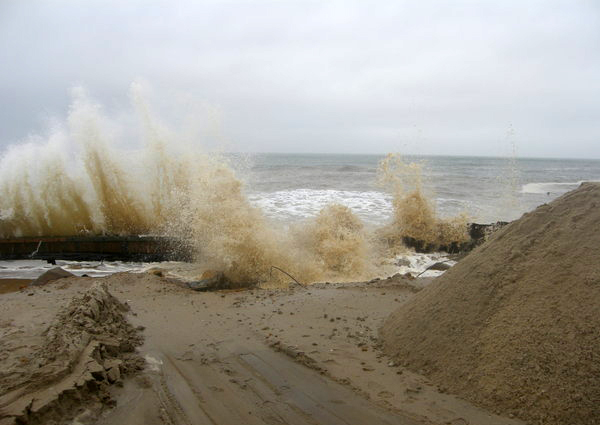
(82, 248)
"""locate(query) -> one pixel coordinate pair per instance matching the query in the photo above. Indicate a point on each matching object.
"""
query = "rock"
(112, 363)
(52, 274)
(213, 281)
(210, 280)
(156, 271)
(441, 266)
(127, 346)
(97, 371)
(111, 346)
(113, 370)
(478, 233)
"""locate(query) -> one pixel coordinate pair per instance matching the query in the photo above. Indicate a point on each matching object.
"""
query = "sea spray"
(71, 183)
(509, 180)
(226, 232)
(40, 194)
(86, 178)
(91, 183)
(414, 214)
(340, 243)
(123, 208)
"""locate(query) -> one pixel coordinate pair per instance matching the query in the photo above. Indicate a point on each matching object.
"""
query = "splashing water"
(340, 242)
(510, 180)
(83, 179)
(414, 213)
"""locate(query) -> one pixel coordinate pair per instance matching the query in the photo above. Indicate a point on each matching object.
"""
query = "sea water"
(295, 186)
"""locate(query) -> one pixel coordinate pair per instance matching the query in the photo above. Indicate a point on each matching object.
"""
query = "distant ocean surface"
(291, 187)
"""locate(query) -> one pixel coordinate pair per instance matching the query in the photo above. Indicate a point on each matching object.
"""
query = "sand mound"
(88, 346)
(52, 274)
(515, 326)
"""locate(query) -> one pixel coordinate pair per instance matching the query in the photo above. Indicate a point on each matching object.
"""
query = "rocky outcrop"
(478, 234)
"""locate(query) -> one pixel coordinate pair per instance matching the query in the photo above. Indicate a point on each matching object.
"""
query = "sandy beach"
(12, 285)
(508, 333)
(297, 356)
(299, 213)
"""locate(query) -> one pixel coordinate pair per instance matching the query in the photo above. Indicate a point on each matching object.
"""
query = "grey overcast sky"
(419, 77)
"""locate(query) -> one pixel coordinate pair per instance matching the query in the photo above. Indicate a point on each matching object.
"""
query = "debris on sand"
(88, 346)
(214, 281)
(514, 325)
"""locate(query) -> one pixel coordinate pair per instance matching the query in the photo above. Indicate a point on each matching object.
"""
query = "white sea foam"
(414, 263)
(154, 363)
(31, 269)
(373, 207)
(552, 188)
(417, 263)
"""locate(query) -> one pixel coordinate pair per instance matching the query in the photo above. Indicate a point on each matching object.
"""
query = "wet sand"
(300, 356)
(13, 285)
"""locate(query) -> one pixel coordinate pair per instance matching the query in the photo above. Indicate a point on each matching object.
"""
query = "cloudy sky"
(419, 77)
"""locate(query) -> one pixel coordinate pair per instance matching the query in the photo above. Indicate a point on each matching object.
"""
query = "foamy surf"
(411, 262)
(31, 269)
(289, 205)
(373, 207)
(418, 264)
(552, 188)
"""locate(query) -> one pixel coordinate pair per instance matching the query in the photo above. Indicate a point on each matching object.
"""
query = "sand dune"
(514, 325)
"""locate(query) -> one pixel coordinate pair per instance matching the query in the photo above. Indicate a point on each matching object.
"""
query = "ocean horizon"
(289, 187)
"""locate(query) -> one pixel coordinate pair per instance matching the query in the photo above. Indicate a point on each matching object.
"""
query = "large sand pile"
(515, 326)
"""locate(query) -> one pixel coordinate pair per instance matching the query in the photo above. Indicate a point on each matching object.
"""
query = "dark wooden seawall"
(160, 248)
(126, 248)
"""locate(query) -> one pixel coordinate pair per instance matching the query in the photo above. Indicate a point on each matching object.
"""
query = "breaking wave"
(90, 176)
(373, 207)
